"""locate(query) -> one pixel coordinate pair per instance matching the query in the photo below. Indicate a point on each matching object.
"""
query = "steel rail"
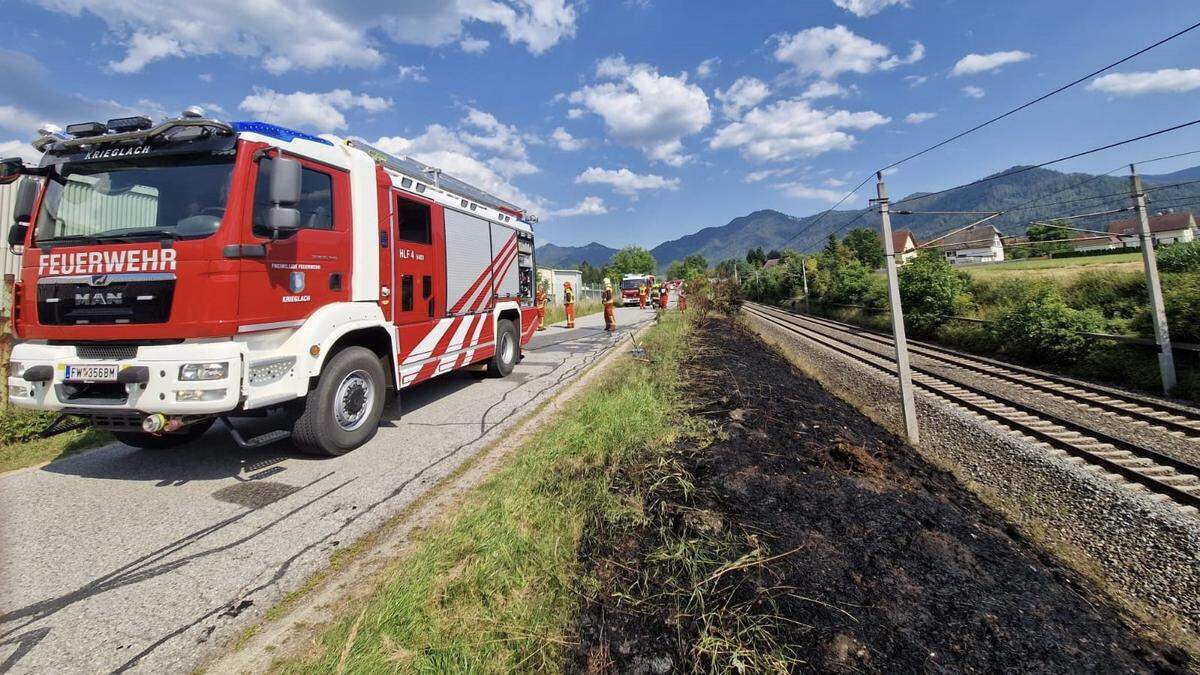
(1013, 373)
(934, 383)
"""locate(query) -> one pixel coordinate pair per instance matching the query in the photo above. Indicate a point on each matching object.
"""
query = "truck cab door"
(299, 271)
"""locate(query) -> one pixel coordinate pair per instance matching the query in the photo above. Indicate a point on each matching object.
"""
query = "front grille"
(133, 298)
(116, 421)
(106, 352)
(92, 393)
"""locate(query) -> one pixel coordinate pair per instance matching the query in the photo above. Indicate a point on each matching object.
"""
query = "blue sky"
(625, 121)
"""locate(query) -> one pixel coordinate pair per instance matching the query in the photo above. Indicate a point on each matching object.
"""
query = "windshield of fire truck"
(627, 284)
(176, 197)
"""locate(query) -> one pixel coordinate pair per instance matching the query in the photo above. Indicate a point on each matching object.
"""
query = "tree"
(630, 260)
(931, 291)
(864, 243)
(1049, 232)
(591, 274)
(774, 254)
(756, 257)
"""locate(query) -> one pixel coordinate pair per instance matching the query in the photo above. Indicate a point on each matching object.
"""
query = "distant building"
(1165, 228)
(554, 280)
(975, 244)
(771, 263)
(1088, 241)
(904, 244)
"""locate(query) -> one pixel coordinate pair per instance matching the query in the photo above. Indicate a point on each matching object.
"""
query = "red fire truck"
(630, 283)
(193, 270)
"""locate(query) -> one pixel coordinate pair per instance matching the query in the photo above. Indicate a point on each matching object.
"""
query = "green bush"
(1115, 294)
(1179, 257)
(22, 426)
(995, 295)
(1181, 295)
(932, 291)
(1043, 329)
(973, 337)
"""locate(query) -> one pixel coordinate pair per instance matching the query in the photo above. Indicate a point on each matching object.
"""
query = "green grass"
(557, 313)
(20, 447)
(1059, 267)
(494, 588)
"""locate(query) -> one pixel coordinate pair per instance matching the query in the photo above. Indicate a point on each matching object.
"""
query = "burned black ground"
(806, 538)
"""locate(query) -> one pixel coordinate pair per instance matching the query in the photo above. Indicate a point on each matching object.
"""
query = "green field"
(1059, 267)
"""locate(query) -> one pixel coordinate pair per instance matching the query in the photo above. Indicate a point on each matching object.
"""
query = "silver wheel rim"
(507, 351)
(354, 399)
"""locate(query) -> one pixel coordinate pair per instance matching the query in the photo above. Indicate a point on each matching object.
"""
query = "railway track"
(1161, 474)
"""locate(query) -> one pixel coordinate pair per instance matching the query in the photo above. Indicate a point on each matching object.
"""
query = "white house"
(1087, 241)
(554, 280)
(1165, 228)
(975, 244)
(904, 244)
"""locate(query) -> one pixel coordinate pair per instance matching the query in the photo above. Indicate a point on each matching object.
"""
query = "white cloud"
(20, 149)
(411, 73)
(575, 113)
(834, 182)
(565, 141)
(744, 93)
(973, 92)
(864, 8)
(644, 109)
(320, 111)
(480, 150)
(473, 45)
(315, 33)
(16, 119)
(706, 67)
(788, 129)
(1167, 80)
(981, 63)
(919, 117)
(916, 80)
(623, 181)
(588, 206)
(802, 191)
(205, 77)
(759, 176)
(824, 89)
(829, 52)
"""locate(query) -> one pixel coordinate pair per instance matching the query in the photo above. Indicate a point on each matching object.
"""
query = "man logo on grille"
(99, 280)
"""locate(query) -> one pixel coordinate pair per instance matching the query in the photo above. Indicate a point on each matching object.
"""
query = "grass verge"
(494, 588)
(20, 447)
(557, 313)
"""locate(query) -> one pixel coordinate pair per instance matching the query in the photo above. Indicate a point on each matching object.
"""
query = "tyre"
(146, 441)
(342, 412)
(508, 350)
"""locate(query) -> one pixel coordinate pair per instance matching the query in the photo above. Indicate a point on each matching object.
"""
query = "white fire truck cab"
(193, 270)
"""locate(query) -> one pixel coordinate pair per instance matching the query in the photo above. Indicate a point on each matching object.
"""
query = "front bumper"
(157, 395)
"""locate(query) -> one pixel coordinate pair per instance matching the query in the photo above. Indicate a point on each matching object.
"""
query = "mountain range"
(1022, 193)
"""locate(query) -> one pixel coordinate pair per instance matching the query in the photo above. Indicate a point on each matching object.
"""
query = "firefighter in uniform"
(540, 300)
(643, 293)
(610, 312)
(682, 301)
(569, 303)
(664, 296)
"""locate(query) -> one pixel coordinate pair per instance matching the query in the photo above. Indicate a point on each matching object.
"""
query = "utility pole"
(902, 368)
(1158, 312)
(804, 274)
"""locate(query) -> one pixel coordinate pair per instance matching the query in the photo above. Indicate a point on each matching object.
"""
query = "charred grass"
(796, 535)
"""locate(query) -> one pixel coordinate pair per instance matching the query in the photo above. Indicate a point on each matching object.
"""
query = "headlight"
(199, 394)
(16, 368)
(193, 372)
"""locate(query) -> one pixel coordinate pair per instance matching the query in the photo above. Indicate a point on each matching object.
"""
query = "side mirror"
(16, 234)
(285, 181)
(10, 168)
(283, 219)
(286, 176)
(27, 194)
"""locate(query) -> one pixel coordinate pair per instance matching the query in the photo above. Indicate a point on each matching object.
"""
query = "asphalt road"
(126, 560)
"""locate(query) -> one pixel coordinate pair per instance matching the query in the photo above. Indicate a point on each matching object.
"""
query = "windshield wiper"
(153, 232)
(71, 238)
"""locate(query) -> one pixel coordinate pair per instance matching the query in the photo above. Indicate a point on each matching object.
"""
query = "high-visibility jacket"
(568, 296)
(607, 296)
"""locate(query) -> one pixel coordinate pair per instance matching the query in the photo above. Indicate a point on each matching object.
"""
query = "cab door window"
(315, 205)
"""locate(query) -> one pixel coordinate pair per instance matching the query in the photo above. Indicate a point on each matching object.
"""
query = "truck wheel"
(508, 350)
(343, 411)
(146, 441)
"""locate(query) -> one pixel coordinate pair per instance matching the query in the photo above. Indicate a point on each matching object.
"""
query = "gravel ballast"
(1140, 546)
